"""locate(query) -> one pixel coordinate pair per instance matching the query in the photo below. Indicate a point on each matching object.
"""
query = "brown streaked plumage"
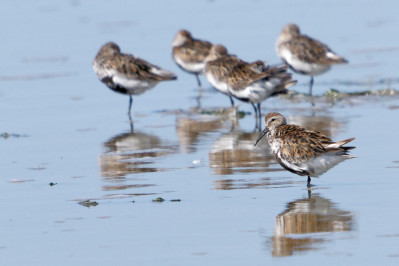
(255, 82)
(301, 151)
(189, 53)
(305, 55)
(242, 75)
(260, 66)
(125, 73)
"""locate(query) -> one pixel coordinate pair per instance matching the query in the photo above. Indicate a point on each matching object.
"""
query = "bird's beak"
(261, 135)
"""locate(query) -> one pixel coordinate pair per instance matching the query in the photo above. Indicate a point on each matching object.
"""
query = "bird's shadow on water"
(303, 225)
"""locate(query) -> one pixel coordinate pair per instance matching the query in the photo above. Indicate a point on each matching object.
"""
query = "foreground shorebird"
(255, 82)
(301, 151)
(125, 73)
(218, 64)
(189, 53)
(305, 55)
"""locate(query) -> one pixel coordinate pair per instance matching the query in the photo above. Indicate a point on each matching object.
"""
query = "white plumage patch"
(332, 55)
(160, 72)
(323, 163)
(179, 40)
(311, 69)
(219, 85)
(101, 72)
(318, 165)
(190, 67)
(258, 91)
(133, 86)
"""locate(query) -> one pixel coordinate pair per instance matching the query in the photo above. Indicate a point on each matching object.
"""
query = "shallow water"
(68, 140)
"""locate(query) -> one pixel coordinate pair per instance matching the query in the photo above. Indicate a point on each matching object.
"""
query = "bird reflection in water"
(131, 153)
(234, 153)
(191, 127)
(310, 215)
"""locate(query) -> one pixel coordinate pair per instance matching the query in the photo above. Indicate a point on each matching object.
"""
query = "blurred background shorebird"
(127, 74)
(190, 54)
(218, 64)
(305, 55)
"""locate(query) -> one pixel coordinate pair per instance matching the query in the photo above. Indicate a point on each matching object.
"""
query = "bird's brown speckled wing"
(242, 76)
(300, 145)
(194, 51)
(135, 68)
(311, 50)
(222, 66)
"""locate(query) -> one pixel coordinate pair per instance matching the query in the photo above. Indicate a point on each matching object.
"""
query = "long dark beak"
(263, 133)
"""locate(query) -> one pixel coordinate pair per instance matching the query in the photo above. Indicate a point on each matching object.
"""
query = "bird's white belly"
(322, 164)
(255, 92)
(190, 67)
(219, 85)
(133, 86)
(311, 69)
(316, 166)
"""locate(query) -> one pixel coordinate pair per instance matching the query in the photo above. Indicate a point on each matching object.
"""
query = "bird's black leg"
(198, 80)
(232, 101)
(256, 111)
(259, 116)
(129, 112)
(308, 181)
(311, 86)
(130, 104)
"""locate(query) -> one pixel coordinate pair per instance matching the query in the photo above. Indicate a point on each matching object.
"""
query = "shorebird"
(218, 64)
(305, 55)
(125, 73)
(301, 151)
(255, 82)
(189, 53)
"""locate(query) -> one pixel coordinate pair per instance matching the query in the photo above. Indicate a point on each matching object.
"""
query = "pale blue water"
(237, 206)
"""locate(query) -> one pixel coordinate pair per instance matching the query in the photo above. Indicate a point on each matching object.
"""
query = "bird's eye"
(272, 119)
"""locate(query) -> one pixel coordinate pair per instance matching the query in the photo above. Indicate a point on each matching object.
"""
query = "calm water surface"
(225, 202)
